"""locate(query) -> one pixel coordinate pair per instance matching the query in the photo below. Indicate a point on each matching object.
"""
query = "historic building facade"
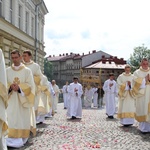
(66, 66)
(22, 27)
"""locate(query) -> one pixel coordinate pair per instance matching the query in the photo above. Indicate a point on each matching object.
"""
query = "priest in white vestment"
(141, 90)
(65, 94)
(37, 75)
(75, 105)
(55, 98)
(3, 102)
(110, 90)
(21, 91)
(126, 109)
(52, 94)
(44, 102)
(95, 96)
(88, 96)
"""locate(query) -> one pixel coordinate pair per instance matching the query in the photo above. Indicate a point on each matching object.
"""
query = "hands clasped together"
(76, 90)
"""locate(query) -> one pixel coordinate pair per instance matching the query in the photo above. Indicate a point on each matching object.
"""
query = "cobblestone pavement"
(93, 131)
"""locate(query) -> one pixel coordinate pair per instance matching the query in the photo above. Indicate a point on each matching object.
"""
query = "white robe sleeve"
(64, 89)
(106, 86)
(116, 89)
(51, 89)
(80, 91)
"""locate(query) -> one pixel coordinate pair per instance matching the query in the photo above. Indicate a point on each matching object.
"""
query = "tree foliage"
(48, 69)
(139, 53)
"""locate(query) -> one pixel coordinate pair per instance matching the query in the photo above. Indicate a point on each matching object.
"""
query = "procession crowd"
(27, 98)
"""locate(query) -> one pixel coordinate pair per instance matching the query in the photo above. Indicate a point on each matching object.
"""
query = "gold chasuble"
(126, 107)
(3, 96)
(141, 91)
(37, 74)
(20, 104)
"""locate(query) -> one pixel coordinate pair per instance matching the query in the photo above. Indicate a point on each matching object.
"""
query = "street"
(93, 131)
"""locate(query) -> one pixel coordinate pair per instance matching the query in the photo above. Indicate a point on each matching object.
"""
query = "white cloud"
(113, 26)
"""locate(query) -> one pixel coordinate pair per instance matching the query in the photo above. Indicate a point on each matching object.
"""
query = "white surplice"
(56, 97)
(110, 94)
(88, 95)
(75, 104)
(95, 97)
(65, 95)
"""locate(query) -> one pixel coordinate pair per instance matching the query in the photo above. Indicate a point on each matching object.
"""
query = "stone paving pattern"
(93, 131)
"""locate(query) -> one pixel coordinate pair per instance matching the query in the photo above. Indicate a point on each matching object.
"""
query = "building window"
(32, 27)
(1, 8)
(42, 34)
(11, 11)
(20, 16)
(27, 22)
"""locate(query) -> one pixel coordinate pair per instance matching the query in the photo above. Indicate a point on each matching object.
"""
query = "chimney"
(50, 56)
(89, 52)
(66, 54)
(53, 55)
(82, 54)
(94, 51)
(103, 56)
(63, 54)
(59, 54)
(71, 53)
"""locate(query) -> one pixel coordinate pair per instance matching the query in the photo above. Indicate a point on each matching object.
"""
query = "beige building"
(22, 27)
(98, 72)
(66, 66)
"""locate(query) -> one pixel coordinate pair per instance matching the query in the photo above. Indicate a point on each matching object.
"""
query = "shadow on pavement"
(108, 119)
(43, 125)
(74, 120)
(134, 130)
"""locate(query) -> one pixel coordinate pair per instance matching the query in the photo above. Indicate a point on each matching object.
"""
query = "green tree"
(48, 69)
(139, 53)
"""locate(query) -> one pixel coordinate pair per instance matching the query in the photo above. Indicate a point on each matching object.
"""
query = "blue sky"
(113, 26)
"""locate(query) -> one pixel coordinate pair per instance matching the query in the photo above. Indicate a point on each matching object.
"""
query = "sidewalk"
(93, 131)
